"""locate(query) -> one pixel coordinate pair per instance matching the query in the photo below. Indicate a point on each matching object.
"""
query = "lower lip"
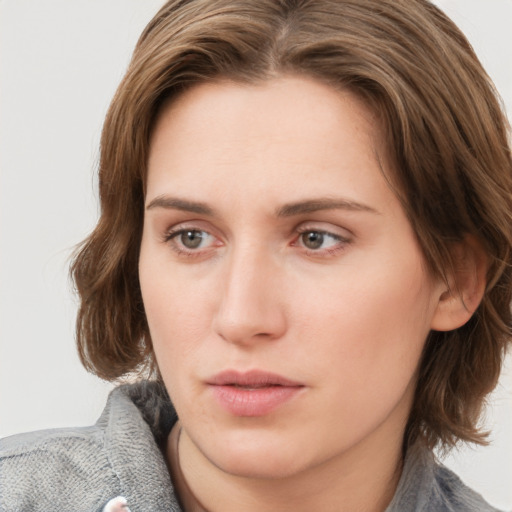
(253, 402)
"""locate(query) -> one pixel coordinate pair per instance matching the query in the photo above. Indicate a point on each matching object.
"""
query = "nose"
(251, 308)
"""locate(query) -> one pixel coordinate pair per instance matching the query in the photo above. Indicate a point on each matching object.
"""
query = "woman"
(305, 244)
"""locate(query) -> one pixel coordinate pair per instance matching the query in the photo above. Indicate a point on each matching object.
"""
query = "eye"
(319, 241)
(314, 239)
(193, 239)
(186, 240)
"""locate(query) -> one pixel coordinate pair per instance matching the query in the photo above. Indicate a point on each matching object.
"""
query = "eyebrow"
(314, 205)
(176, 203)
(287, 210)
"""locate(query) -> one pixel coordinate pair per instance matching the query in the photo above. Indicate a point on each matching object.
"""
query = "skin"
(347, 318)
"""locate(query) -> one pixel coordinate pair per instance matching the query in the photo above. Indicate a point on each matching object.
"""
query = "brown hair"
(447, 143)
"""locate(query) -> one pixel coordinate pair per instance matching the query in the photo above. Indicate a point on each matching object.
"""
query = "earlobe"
(465, 288)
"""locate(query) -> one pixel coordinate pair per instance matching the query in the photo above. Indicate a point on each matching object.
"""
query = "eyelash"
(342, 242)
(340, 246)
(172, 234)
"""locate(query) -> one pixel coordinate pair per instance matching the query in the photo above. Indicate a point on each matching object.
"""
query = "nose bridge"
(250, 307)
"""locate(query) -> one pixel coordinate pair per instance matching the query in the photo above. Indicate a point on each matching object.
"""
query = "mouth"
(254, 379)
(253, 393)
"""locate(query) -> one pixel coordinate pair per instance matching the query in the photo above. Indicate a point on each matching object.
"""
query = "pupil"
(191, 239)
(313, 240)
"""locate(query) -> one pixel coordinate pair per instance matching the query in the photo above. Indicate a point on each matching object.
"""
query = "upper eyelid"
(173, 232)
(194, 225)
(327, 228)
(321, 227)
(337, 237)
(319, 230)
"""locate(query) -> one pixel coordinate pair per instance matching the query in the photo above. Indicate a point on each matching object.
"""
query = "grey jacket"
(81, 469)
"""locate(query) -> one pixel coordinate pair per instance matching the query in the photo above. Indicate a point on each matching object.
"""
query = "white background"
(61, 61)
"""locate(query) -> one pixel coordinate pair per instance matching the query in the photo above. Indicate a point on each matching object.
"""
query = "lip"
(253, 393)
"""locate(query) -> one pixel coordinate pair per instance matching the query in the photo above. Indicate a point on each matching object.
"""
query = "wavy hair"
(447, 142)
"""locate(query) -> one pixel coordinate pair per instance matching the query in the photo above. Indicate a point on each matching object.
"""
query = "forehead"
(296, 123)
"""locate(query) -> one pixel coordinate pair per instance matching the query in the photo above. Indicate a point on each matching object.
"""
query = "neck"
(362, 479)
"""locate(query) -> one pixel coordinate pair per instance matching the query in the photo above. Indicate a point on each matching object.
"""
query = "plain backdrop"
(60, 62)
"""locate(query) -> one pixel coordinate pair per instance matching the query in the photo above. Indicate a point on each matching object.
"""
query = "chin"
(258, 457)
(258, 466)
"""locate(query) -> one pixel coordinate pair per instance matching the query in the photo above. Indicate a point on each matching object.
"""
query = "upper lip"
(252, 378)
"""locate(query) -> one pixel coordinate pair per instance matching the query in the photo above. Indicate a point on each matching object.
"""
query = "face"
(286, 294)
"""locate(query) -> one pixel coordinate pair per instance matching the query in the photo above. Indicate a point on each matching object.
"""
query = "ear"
(465, 288)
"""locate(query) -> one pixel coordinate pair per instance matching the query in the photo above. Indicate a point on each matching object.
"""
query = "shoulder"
(428, 486)
(81, 469)
(64, 468)
(449, 492)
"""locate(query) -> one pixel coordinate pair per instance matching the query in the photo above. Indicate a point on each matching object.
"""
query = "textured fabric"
(426, 486)
(82, 469)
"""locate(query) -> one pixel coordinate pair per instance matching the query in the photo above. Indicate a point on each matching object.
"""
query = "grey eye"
(313, 239)
(192, 239)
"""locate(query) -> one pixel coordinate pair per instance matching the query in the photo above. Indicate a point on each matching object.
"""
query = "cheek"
(176, 319)
(176, 324)
(370, 327)
(175, 315)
